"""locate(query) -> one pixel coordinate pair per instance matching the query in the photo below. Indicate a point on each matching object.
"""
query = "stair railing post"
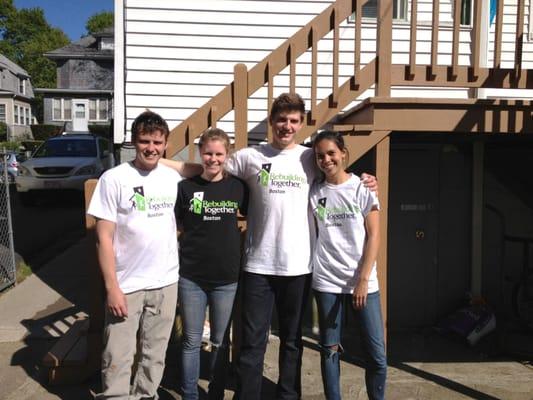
(384, 48)
(240, 98)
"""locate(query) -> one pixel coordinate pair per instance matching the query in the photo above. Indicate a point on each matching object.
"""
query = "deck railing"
(379, 72)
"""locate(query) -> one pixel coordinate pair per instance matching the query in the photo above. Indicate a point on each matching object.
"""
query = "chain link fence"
(7, 250)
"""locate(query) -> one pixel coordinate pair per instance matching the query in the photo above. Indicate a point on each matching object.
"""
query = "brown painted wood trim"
(476, 38)
(498, 35)
(486, 77)
(519, 40)
(412, 38)
(384, 47)
(382, 174)
(434, 34)
(456, 34)
(240, 88)
(359, 145)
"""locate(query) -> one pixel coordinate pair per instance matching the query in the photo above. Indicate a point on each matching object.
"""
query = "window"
(67, 109)
(98, 109)
(399, 11)
(16, 109)
(22, 85)
(2, 113)
(466, 12)
(27, 114)
(61, 110)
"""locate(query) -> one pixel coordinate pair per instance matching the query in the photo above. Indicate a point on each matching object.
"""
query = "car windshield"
(67, 148)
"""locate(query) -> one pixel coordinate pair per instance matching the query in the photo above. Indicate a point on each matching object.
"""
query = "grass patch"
(23, 271)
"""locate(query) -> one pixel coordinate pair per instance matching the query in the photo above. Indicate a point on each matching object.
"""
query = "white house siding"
(178, 54)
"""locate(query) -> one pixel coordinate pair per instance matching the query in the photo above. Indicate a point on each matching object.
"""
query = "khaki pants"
(145, 331)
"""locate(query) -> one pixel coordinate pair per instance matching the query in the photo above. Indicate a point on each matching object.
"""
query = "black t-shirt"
(210, 249)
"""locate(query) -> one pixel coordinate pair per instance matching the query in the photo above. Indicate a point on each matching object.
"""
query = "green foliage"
(23, 271)
(43, 132)
(98, 22)
(3, 131)
(25, 36)
(100, 130)
(9, 145)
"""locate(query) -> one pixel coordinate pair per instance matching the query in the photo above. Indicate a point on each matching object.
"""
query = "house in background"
(84, 93)
(16, 95)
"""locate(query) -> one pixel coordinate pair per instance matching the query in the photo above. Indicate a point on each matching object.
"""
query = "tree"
(98, 22)
(25, 36)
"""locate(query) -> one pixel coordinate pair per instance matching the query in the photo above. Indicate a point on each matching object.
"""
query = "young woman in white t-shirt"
(344, 265)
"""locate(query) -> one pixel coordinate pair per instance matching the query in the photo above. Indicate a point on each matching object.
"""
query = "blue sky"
(68, 15)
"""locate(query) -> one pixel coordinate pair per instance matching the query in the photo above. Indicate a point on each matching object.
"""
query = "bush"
(9, 145)
(3, 131)
(43, 132)
(100, 130)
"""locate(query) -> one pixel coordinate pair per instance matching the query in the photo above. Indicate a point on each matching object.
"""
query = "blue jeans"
(193, 300)
(259, 295)
(330, 307)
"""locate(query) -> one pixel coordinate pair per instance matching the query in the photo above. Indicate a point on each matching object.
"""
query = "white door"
(80, 115)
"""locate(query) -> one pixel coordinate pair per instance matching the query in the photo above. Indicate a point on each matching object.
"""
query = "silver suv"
(11, 160)
(63, 162)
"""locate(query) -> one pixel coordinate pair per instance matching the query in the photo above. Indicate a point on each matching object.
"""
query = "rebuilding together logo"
(153, 205)
(278, 181)
(211, 208)
(336, 213)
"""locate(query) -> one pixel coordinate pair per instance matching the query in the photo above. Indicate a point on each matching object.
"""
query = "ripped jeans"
(330, 312)
(193, 300)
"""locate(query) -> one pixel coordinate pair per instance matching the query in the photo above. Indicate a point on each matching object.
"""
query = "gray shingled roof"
(85, 47)
(6, 63)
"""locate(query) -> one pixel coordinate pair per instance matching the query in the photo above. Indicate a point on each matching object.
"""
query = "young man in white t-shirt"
(138, 256)
(278, 245)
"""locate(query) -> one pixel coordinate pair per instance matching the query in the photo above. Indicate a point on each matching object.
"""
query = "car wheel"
(26, 198)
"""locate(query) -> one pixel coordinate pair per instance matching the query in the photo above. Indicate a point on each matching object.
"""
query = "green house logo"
(196, 202)
(138, 201)
(264, 174)
(321, 209)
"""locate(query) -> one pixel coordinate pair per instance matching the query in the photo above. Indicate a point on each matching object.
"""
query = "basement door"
(413, 240)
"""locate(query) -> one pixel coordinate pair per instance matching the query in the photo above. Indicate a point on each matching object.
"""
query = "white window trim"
(97, 107)
(22, 83)
(16, 114)
(61, 109)
(351, 18)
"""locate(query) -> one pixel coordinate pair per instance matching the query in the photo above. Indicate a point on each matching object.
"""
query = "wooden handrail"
(234, 96)
(263, 72)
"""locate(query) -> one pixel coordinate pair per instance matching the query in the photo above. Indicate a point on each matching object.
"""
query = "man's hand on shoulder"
(370, 182)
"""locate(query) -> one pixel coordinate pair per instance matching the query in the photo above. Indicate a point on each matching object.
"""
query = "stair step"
(71, 348)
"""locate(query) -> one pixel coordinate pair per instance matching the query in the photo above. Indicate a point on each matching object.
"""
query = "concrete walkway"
(422, 365)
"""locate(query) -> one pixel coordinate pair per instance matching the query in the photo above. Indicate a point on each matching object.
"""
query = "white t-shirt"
(279, 239)
(340, 212)
(141, 204)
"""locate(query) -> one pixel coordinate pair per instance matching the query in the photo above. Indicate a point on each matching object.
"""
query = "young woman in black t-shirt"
(206, 209)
